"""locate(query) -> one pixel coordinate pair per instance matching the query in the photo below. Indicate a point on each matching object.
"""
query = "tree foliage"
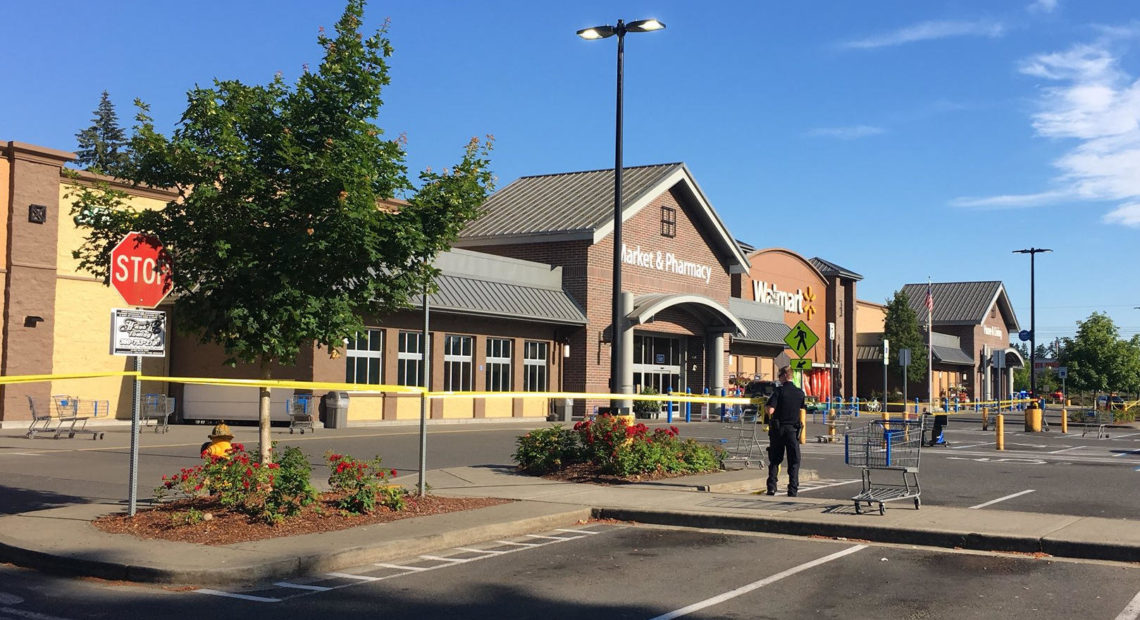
(1098, 359)
(281, 235)
(103, 145)
(901, 328)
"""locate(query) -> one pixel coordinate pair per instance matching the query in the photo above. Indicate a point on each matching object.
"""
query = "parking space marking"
(1066, 449)
(1128, 435)
(404, 570)
(812, 487)
(720, 598)
(1001, 499)
(1132, 611)
(244, 597)
(301, 586)
(973, 445)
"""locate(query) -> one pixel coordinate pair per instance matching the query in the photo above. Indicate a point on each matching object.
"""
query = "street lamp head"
(597, 32)
(645, 25)
(1032, 251)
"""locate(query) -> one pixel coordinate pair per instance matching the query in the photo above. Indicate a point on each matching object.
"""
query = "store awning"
(503, 300)
(951, 355)
(713, 315)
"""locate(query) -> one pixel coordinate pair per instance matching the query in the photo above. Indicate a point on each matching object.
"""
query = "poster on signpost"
(138, 332)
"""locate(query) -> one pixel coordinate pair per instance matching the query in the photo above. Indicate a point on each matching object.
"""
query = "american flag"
(929, 301)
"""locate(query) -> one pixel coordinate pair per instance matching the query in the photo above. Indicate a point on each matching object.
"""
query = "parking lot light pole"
(1032, 252)
(616, 348)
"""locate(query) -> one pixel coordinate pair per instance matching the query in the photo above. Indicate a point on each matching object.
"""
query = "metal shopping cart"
(300, 409)
(1100, 419)
(885, 445)
(744, 449)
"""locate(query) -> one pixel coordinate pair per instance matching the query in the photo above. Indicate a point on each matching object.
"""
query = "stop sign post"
(140, 270)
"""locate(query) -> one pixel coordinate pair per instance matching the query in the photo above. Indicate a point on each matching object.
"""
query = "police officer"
(784, 432)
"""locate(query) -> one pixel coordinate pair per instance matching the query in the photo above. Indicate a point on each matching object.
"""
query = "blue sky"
(899, 139)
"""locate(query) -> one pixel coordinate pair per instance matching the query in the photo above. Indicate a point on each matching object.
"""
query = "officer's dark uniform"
(783, 434)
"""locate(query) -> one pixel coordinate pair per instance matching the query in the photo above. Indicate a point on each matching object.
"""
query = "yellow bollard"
(1000, 426)
(831, 428)
(985, 418)
(1064, 420)
(803, 426)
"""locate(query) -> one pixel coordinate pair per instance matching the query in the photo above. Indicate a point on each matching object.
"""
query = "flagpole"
(929, 348)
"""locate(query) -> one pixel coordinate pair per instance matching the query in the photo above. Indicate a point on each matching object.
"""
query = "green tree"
(1098, 360)
(103, 145)
(280, 236)
(901, 328)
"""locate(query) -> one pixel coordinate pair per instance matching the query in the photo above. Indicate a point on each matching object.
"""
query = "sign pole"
(136, 396)
(886, 366)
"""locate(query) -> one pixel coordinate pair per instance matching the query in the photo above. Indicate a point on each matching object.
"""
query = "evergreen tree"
(103, 145)
(901, 328)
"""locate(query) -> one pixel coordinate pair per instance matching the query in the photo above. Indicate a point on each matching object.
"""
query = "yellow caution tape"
(86, 375)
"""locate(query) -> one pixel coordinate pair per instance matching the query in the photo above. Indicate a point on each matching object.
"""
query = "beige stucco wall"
(869, 317)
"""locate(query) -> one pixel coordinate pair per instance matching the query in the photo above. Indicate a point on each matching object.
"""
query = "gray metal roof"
(765, 322)
(763, 332)
(951, 355)
(829, 268)
(504, 300)
(962, 303)
(562, 203)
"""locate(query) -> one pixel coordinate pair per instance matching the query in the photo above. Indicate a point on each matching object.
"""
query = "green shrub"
(364, 484)
(545, 450)
(618, 448)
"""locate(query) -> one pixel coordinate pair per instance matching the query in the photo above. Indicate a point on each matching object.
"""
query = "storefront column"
(625, 364)
(714, 352)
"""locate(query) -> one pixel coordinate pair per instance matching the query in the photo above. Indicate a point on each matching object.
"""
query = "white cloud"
(1089, 99)
(1127, 214)
(1042, 6)
(927, 31)
(846, 133)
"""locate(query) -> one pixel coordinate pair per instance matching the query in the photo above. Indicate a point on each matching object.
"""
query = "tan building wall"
(870, 318)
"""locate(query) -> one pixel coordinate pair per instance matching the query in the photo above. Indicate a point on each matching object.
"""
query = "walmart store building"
(524, 304)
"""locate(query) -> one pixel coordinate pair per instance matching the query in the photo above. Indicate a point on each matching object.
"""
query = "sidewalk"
(63, 539)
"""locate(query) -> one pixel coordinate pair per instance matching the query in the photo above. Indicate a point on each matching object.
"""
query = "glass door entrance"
(657, 363)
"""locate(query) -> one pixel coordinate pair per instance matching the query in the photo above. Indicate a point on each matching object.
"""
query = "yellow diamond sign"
(801, 339)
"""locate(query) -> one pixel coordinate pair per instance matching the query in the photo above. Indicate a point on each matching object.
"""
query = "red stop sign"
(141, 270)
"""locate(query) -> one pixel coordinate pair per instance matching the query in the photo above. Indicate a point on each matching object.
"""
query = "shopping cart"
(744, 449)
(885, 445)
(300, 409)
(1100, 419)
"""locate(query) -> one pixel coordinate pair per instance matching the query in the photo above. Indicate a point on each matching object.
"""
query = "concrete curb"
(881, 534)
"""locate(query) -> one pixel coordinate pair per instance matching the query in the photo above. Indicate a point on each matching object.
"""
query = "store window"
(534, 366)
(668, 222)
(457, 363)
(410, 359)
(498, 365)
(364, 357)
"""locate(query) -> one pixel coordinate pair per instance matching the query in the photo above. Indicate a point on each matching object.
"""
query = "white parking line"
(487, 551)
(716, 600)
(351, 576)
(301, 586)
(576, 531)
(1132, 611)
(1066, 449)
(805, 489)
(549, 537)
(436, 558)
(1128, 435)
(973, 445)
(414, 569)
(244, 597)
(1001, 499)
(518, 544)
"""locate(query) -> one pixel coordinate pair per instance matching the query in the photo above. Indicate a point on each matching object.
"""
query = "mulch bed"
(587, 472)
(223, 527)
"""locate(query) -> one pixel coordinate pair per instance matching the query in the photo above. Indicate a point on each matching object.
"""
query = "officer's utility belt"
(776, 424)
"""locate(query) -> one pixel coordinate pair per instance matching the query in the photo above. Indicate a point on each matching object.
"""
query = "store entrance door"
(657, 362)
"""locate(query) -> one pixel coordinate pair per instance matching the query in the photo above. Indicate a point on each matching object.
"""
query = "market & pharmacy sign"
(664, 261)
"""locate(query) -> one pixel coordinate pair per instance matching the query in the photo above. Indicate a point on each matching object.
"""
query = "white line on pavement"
(1000, 499)
(244, 597)
(716, 600)
(824, 486)
(301, 586)
(1128, 435)
(576, 531)
(436, 558)
(1128, 452)
(1066, 449)
(414, 569)
(1132, 612)
(487, 551)
(517, 544)
(351, 576)
(547, 537)
(973, 445)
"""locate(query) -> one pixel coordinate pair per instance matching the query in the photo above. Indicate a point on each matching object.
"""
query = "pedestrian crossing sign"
(801, 364)
(801, 339)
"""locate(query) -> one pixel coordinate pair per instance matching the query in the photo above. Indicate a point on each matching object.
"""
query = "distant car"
(1058, 395)
(1102, 402)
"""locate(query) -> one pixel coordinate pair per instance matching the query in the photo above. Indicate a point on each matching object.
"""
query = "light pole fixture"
(616, 348)
(1032, 252)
